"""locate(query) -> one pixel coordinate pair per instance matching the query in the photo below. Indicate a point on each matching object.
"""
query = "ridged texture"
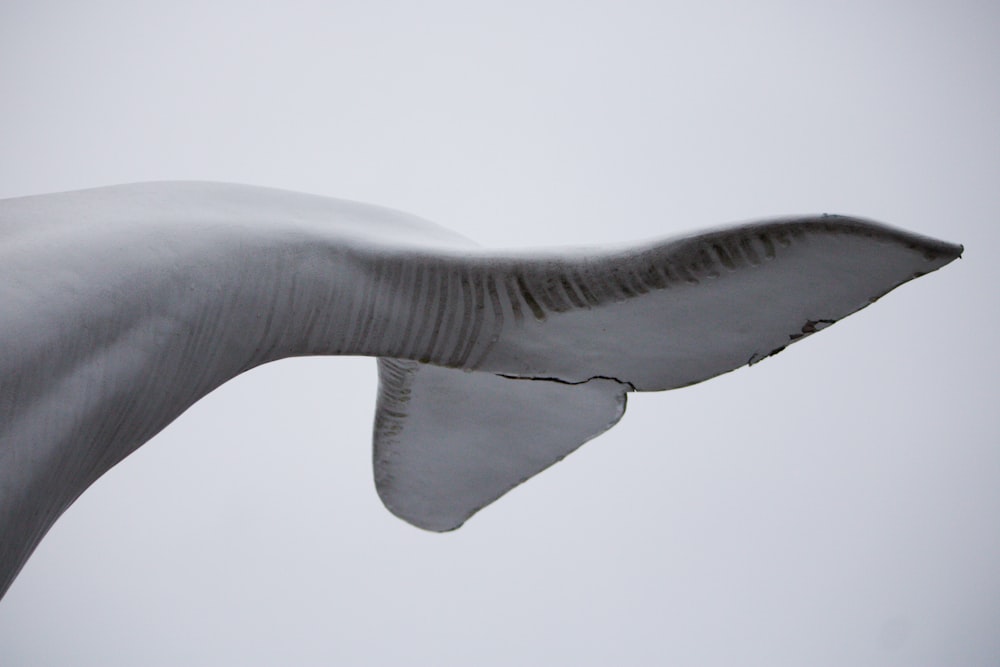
(452, 310)
(449, 442)
(395, 380)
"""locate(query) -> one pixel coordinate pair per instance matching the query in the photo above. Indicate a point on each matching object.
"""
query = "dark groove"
(400, 307)
(470, 315)
(425, 318)
(478, 306)
(619, 284)
(411, 318)
(536, 310)
(569, 382)
(358, 312)
(750, 252)
(724, 257)
(397, 289)
(513, 298)
(370, 302)
(551, 295)
(581, 284)
(652, 278)
(601, 286)
(686, 275)
(768, 245)
(635, 281)
(707, 263)
(571, 293)
(668, 275)
(496, 327)
(444, 286)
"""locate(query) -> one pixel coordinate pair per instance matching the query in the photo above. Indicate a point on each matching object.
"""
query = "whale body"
(122, 306)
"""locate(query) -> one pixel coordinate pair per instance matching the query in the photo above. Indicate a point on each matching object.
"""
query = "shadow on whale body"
(124, 305)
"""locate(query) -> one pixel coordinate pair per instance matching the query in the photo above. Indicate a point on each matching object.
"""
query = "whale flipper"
(449, 442)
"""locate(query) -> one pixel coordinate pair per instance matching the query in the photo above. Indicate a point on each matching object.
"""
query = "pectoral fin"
(449, 442)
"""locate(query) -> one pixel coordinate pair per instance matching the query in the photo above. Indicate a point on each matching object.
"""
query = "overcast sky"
(835, 505)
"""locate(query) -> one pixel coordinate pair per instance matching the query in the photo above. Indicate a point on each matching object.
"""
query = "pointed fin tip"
(949, 251)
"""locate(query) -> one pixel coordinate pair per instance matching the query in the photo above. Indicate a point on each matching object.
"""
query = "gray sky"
(835, 505)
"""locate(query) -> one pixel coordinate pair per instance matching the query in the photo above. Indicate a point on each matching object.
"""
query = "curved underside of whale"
(122, 306)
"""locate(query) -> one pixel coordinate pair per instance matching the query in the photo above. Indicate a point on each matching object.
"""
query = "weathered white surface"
(448, 443)
(125, 305)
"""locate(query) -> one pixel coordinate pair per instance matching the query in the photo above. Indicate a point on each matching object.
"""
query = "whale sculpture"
(122, 306)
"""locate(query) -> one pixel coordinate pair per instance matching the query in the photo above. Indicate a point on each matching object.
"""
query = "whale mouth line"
(536, 378)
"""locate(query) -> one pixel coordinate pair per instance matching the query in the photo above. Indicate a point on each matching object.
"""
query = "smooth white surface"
(834, 505)
(455, 441)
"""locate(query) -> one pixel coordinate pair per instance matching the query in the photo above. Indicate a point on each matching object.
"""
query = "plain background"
(835, 505)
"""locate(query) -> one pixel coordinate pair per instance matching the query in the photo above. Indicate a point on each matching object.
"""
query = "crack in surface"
(809, 328)
(631, 387)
